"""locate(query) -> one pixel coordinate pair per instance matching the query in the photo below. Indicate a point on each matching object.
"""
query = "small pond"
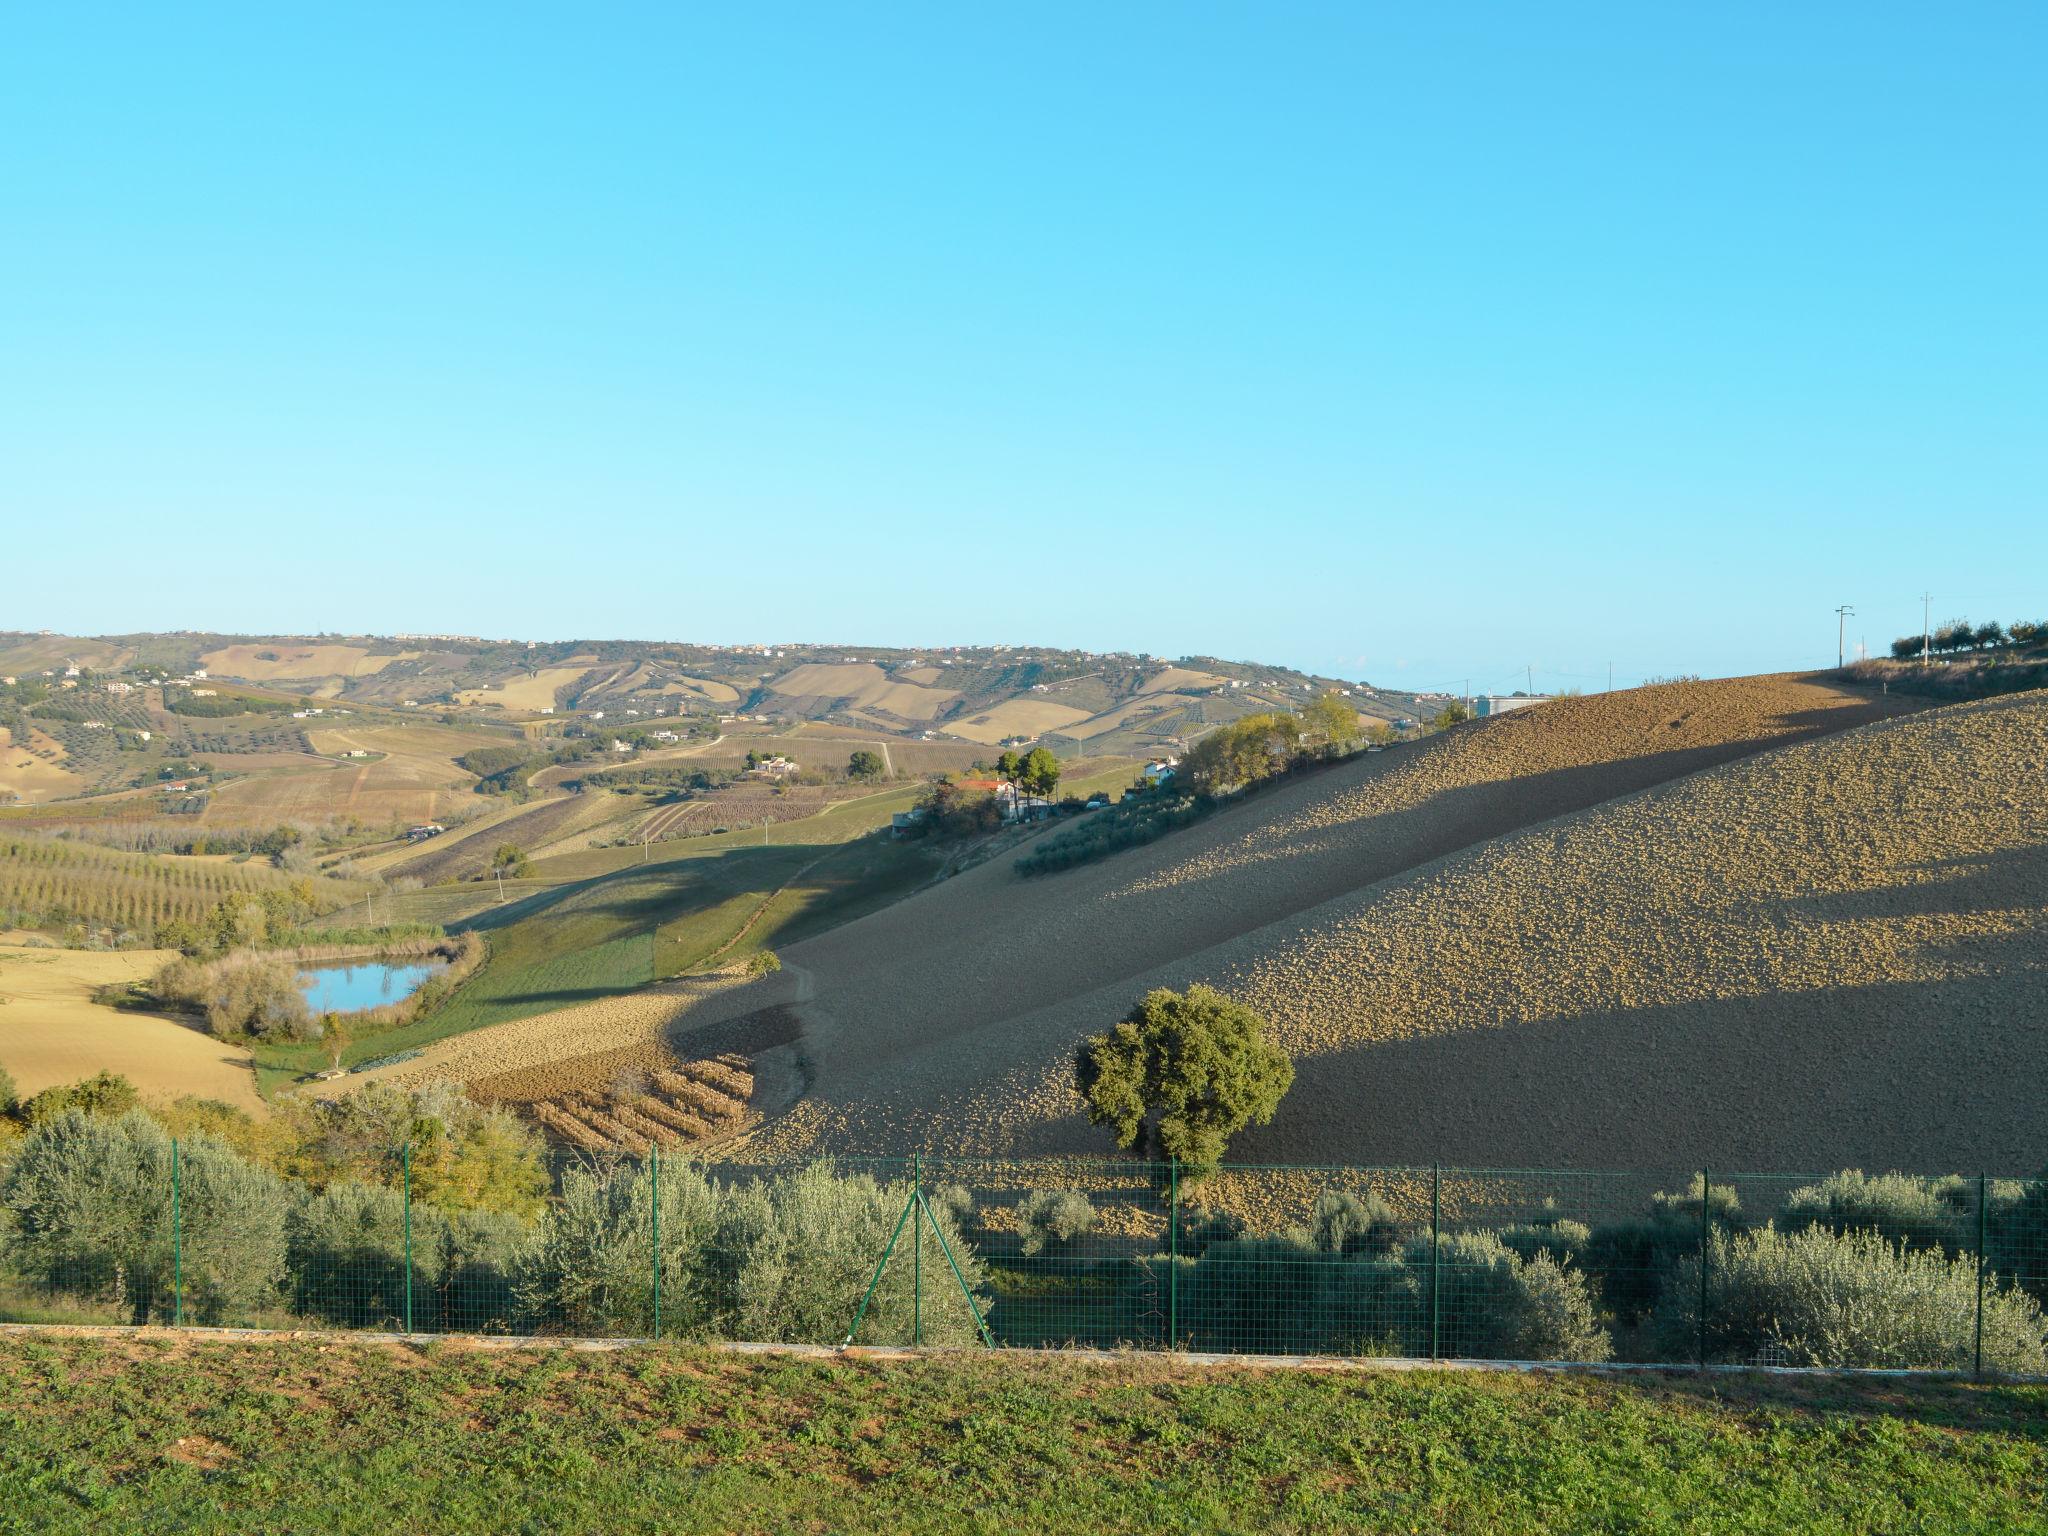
(348, 988)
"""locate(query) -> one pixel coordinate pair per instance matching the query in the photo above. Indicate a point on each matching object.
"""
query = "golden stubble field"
(34, 777)
(51, 1031)
(262, 663)
(1690, 922)
(413, 778)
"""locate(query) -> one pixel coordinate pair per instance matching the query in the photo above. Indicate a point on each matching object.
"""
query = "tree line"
(1957, 635)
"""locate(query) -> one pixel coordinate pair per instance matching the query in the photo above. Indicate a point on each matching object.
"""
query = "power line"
(1842, 634)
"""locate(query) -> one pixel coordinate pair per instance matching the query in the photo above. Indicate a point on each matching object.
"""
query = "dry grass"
(51, 1031)
(415, 779)
(262, 663)
(1817, 956)
(536, 691)
(33, 772)
(862, 683)
(1016, 717)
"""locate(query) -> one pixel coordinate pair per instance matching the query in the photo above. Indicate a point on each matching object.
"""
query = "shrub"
(479, 1255)
(1131, 822)
(1181, 1074)
(1286, 1295)
(1817, 1297)
(1918, 1213)
(1344, 1223)
(1564, 1241)
(803, 1249)
(8, 1097)
(464, 1155)
(89, 1198)
(954, 1203)
(785, 1259)
(763, 962)
(255, 996)
(103, 1094)
(1050, 1219)
(1498, 1306)
(346, 1250)
(1635, 1258)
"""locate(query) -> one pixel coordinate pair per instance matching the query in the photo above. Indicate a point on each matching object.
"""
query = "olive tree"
(1181, 1074)
(89, 1199)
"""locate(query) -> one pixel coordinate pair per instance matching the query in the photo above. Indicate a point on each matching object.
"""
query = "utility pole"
(1926, 625)
(501, 886)
(1532, 679)
(1842, 634)
(1610, 677)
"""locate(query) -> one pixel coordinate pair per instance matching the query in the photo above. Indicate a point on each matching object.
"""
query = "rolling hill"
(1768, 922)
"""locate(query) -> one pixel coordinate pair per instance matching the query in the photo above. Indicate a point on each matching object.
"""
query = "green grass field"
(174, 1433)
(567, 944)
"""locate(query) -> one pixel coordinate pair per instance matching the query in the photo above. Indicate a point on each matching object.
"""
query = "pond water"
(349, 988)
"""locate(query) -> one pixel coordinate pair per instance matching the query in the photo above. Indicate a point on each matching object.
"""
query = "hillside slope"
(1395, 915)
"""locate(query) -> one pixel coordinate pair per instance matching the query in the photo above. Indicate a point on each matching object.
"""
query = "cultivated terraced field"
(623, 1073)
(1702, 922)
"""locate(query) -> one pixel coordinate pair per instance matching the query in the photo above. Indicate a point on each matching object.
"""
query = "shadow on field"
(1933, 1077)
(1999, 1408)
(2003, 880)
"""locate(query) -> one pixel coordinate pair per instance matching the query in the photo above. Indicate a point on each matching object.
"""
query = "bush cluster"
(1132, 821)
(783, 1259)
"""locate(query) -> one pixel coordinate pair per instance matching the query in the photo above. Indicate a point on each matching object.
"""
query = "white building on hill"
(1496, 704)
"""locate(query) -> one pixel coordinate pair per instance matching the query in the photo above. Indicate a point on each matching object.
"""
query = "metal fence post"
(178, 1244)
(1706, 1245)
(405, 1157)
(1983, 1189)
(1436, 1244)
(654, 1215)
(1173, 1253)
(917, 1254)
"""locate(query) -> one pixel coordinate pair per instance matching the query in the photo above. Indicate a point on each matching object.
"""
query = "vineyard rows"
(46, 880)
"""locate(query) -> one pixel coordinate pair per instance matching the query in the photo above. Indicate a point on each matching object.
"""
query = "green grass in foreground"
(337, 1436)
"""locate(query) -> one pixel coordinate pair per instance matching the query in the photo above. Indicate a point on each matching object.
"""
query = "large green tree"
(1330, 716)
(1038, 773)
(865, 765)
(1181, 1074)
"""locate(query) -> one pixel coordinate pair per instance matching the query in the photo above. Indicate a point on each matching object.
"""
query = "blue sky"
(1413, 343)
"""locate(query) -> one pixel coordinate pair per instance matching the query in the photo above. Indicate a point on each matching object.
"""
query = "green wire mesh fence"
(1680, 1267)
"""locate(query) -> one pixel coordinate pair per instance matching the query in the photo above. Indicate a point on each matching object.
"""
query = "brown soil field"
(1696, 922)
(671, 1064)
(246, 661)
(51, 1031)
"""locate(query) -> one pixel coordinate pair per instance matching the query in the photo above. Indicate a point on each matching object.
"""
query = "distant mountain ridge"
(1075, 701)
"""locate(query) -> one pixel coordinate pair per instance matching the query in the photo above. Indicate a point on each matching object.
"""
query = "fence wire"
(1673, 1266)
